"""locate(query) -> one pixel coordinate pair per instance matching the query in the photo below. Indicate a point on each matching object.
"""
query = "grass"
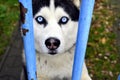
(9, 11)
(102, 54)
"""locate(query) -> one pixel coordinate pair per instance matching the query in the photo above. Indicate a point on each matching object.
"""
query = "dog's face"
(55, 25)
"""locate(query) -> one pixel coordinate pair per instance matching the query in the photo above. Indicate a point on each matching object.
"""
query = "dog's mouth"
(52, 52)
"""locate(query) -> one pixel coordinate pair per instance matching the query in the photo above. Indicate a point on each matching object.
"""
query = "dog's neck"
(55, 64)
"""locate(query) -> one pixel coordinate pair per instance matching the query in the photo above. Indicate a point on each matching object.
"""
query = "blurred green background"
(102, 56)
(9, 16)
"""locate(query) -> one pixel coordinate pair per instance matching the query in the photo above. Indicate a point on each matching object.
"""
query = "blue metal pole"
(85, 17)
(28, 37)
(118, 77)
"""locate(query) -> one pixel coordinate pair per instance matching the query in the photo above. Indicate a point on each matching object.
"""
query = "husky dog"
(55, 29)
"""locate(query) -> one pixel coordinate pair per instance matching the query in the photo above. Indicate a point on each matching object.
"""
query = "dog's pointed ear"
(76, 2)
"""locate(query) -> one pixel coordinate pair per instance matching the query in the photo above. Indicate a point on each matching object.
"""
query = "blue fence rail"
(118, 77)
(86, 10)
(28, 37)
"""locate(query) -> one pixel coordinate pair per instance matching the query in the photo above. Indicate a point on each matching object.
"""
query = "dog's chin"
(52, 52)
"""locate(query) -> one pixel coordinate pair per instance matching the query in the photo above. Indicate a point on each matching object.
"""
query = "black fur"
(67, 5)
(38, 4)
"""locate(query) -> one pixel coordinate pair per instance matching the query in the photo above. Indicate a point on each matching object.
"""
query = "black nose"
(52, 43)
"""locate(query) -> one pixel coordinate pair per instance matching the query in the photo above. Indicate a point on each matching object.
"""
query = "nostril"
(52, 43)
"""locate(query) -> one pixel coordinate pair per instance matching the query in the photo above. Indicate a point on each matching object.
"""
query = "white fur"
(77, 3)
(59, 65)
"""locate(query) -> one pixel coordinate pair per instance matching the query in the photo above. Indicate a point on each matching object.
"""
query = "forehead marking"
(52, 6)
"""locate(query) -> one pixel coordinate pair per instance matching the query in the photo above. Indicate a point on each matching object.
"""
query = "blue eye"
(41, 20)
(63, 20)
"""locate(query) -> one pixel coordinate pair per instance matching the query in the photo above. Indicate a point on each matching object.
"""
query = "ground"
(102, 56)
